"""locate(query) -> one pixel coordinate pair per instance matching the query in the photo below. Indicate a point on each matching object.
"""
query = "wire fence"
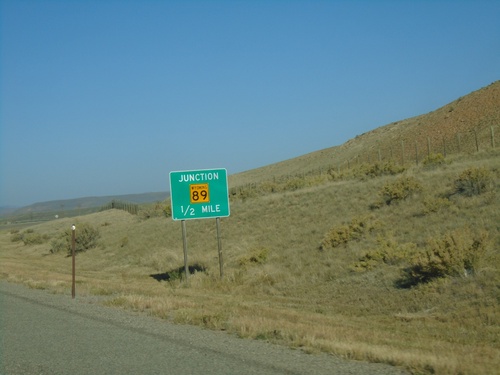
(407, 151)
(403, 152)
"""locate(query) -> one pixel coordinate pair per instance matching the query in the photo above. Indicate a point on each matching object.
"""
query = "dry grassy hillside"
(440, 129)
(373, 261)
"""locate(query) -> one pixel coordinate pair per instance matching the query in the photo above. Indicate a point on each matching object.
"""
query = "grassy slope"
(478, 111)
(280, 286)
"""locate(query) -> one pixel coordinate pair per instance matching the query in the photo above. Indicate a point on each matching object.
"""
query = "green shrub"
(258, 256)
(86, 237)
(295, 183)
(337, 236)
(124, 241)
(167, 210)
(158, 209)
(399, 190)
(269, 187)
(435, 204)
(28, 237)
(347, 232)
(433, 160)
(456, 253)
(16, 236)
(58, 245)
(474, 181)
(277, 185)
(34, 238)
(335, 174)
(388, 168)
(388, 252)
(243, 193)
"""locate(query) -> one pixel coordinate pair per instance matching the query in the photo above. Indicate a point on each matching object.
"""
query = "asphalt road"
(43, 333)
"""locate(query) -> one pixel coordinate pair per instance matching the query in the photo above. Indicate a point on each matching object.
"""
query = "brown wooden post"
(73, 251)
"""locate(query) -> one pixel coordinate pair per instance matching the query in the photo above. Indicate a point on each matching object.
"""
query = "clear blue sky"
(107, 97)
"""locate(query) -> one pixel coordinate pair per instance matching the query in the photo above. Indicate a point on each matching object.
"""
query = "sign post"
(185, 249)
(199, 194)
(219, 247)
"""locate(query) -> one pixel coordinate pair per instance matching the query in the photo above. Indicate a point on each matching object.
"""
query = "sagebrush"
(86, 237)
(458, 253)
(474, 181)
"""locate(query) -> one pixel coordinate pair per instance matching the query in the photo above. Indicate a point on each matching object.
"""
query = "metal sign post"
(73, 245)
(219, 246)
(185, 247)
(200, 194)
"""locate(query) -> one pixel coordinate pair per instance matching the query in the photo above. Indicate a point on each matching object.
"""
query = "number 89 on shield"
(198, 193)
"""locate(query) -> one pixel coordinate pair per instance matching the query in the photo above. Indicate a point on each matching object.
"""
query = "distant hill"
(86, 203)
(7, 210)
(462, 125)
(468, 123)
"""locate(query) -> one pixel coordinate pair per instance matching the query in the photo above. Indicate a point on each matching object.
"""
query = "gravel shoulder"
(43, 333)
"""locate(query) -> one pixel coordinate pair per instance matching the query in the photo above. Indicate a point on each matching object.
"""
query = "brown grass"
(281, 286)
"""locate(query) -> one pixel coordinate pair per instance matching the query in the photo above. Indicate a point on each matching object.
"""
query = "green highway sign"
(199, 194)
